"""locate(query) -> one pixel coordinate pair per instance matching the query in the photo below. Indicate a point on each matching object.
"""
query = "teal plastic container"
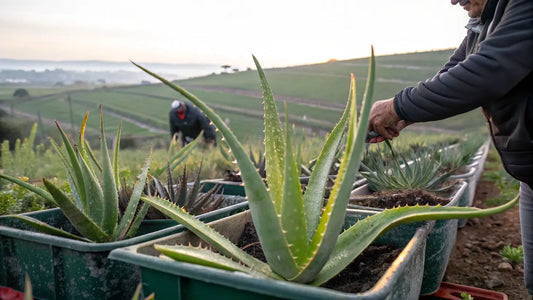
(61, 268)
(467, 199)
(227, 187)
(179, 280)
(440, 243)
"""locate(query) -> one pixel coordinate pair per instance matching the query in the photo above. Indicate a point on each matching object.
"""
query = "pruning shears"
(370, 135)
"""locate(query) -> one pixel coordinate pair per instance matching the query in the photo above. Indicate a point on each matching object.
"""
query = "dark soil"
(390, 199)
(361, 275)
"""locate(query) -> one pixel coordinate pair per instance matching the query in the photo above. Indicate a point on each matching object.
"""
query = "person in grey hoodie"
(491, 69)
(188, 120)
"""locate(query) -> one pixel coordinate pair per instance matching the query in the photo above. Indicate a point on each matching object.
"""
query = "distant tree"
(101, 81)
(145, 82)
(225, 67)
(21, 93)
(236, 70)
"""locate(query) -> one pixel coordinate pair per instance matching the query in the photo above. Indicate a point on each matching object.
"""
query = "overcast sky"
(278, 32)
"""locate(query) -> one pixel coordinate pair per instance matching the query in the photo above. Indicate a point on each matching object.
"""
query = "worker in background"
(187, 120)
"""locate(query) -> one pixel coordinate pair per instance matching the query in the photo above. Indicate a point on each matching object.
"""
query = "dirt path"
(476, 259)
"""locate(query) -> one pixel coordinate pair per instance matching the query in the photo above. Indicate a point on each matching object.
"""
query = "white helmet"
(176, 104)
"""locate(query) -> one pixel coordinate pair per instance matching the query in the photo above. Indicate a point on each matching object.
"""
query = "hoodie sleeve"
(503, 59)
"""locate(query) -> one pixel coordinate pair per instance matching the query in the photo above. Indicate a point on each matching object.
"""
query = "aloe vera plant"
(93, 208)
(418, 170)
(298, 233)
(188, 198)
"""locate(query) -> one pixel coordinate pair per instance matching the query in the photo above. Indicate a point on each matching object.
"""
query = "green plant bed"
(440, 241)
(62, 268)
(179, 280)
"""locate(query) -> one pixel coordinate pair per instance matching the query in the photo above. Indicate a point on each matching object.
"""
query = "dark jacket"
(191, 126)
(492, 68)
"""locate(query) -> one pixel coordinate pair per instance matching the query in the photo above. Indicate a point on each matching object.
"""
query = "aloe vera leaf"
(70, 178)
(359, 236)
(84, 224)
(139, 217)
(170, 184)
(204, 257)
(116, 155)
(314, 194)
(94, 192)
(208, 234)
(332, 219)
(109, 185)
(137, 293)
(45, 228)
(129, 213)
(30, 187)
(269, 223)
(293, 219)
(261, 206)
(274, 149)
(179, 157)
(92, 156)
(81, 142)
(193, 195)
(28, 294)
(182, 199)
(75, 168)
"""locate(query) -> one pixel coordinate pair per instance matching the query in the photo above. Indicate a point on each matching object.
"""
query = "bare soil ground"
(476, 259)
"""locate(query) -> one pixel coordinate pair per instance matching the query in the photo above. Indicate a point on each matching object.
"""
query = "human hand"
(384, 120)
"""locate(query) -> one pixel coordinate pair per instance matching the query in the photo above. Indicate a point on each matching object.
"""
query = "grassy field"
(315, 96)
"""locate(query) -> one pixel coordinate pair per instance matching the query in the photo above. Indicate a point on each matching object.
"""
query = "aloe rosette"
(299, 233)
(92, 207)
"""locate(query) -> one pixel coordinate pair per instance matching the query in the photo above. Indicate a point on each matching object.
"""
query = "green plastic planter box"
(179, 280)
(61, 268)
(467, 199)
(440, 243)
(229, 200)
(227, 187)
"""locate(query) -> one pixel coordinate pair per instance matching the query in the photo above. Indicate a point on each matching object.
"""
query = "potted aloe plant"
(299, 233)
(458, 159)
(64, 250)
(421, 178)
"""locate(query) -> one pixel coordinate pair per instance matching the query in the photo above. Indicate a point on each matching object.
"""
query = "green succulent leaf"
(208, 234)
(137, 221)
(83, 223)
(179, 156)
(359, 236)
(293, 218)
(74, 168)
(45, 228)
(94, 192)
(116, 155)
(317, 182)
(274, 145)
(30, 187)
(109, 185)
(129, 214)
(204, 257)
